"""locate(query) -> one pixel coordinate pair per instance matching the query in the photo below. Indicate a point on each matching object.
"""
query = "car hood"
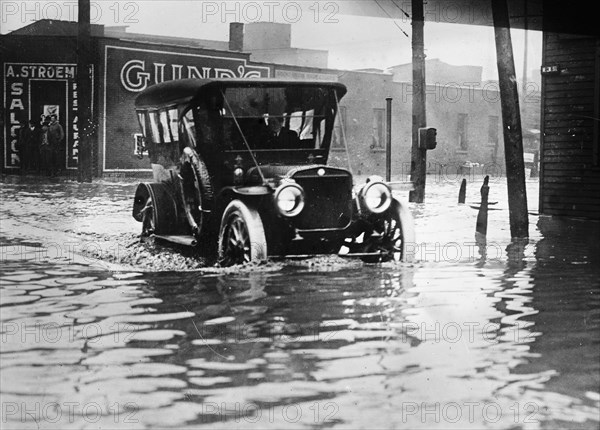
(278, 172)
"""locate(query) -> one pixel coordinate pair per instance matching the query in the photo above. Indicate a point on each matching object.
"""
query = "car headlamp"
(289, 198)
(238, 175)
(375, 197)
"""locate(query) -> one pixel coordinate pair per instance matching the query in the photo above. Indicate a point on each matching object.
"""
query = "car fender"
(254, 190)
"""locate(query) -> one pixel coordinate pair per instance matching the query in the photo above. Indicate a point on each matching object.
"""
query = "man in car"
(279, 136)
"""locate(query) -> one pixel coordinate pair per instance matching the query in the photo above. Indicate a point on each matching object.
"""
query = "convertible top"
(184, 90)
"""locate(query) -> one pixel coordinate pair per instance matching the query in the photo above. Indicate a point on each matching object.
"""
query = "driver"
(279, 136)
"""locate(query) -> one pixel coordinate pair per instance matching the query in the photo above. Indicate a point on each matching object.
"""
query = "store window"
(462, 129)
(339, 129)
(378, 129)
(493, 127)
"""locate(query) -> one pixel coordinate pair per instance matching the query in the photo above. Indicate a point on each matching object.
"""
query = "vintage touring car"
(240, 169)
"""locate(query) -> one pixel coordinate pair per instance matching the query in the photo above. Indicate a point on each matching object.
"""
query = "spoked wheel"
(392, 237)
(241, 236)
(148, 218)
(155, 207)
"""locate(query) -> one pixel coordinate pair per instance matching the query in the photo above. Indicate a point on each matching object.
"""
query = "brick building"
(38, 77)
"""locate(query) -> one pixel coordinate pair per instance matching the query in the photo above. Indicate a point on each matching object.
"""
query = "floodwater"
(474, 334)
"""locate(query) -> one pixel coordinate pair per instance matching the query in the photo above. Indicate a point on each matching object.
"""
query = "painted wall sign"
(32, 91)
(550, 70)
(128, 71)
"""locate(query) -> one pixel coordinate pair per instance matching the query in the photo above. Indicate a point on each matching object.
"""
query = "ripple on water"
(18, 300)
(123, 356)
(355, 344)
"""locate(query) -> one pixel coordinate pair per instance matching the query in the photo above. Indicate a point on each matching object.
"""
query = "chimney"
(236, 36)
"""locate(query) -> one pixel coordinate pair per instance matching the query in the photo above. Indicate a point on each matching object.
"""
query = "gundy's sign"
(128, 71)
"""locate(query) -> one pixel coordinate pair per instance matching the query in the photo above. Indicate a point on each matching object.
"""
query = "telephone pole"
(418, 166)
(511, 122)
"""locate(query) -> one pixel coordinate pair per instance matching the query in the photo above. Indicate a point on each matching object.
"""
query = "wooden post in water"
(463, 191)
(84, 92)
(482, 215)
(511, 122)
(418, 164)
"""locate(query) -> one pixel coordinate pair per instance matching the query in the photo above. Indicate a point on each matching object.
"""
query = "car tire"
(398, 236)
(156, 208)
(241, 236)
(196, 190)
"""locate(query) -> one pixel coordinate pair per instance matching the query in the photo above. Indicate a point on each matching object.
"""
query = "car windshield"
(286, 118)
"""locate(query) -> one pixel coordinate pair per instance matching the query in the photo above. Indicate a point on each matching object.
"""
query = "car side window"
(189, 128)
(172, 118)
(164, 128)
(142, 121)
(155, 134)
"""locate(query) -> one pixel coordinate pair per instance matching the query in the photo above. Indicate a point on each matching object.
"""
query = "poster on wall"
(131, 70)
(34, 91)
(50, 110)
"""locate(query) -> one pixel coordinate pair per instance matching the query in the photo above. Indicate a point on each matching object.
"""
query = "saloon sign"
(30, 89)
(129, 71)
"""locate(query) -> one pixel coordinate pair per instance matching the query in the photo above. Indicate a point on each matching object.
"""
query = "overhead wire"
(390, 16)
(401, 10)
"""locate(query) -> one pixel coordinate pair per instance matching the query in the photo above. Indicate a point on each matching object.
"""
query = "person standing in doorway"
(30, 146)
(56, 136)
(45, 150)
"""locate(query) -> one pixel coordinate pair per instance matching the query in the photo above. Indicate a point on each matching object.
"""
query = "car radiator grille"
(328, 201)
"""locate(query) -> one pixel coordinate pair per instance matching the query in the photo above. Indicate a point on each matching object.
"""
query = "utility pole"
(388, 140)
(525, 48)
(84, 89)
(418, 166)
(511, 122)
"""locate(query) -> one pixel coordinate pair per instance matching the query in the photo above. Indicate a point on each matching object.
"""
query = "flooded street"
(473, 334)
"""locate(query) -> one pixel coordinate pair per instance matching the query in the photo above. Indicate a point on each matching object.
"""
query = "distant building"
(269, 42)
(438, 72)
(38, 72)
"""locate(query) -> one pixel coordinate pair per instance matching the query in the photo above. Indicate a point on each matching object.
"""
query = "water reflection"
(506, 338)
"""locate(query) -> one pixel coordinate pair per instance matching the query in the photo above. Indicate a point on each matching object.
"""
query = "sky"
(353, 42)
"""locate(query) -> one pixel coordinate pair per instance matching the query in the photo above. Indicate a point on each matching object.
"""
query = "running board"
(305, 256)
(179, 239)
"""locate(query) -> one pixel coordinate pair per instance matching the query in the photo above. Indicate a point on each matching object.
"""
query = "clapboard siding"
(569, 93)
(570, 175)
(566, 137)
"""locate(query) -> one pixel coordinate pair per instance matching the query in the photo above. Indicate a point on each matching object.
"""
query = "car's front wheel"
(241, 235)
(393, 237)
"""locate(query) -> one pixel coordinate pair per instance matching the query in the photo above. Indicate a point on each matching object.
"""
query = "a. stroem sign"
(129, 70)
(31, 92)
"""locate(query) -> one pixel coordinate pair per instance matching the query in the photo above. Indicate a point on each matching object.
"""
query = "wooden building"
(570, 147)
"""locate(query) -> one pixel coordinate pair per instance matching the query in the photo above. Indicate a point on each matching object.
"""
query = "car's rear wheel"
(148, 218)
(155, 207)
(393, 236)
(241, 235)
